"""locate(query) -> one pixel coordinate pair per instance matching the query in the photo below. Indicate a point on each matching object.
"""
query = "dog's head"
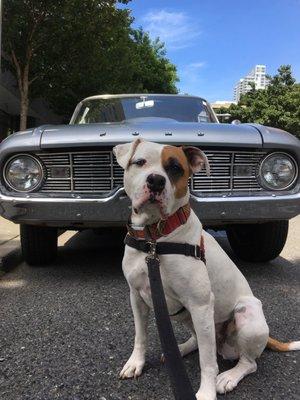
(156, 177)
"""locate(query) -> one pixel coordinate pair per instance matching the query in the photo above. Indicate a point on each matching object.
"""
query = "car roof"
(108, 96)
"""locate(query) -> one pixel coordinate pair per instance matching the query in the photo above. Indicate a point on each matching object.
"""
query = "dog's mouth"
(154, 198)
(150, 199)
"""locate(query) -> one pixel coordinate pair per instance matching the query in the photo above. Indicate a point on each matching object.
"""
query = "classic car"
(66, 177)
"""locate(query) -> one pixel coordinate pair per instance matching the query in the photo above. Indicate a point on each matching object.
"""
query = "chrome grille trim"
(224, 172)
(98, 172)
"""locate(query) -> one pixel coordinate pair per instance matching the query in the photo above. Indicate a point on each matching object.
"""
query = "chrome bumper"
(115, 209)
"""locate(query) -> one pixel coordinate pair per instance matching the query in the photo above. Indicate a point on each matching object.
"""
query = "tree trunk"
(23, 111)
(24, 98)
(23, 83)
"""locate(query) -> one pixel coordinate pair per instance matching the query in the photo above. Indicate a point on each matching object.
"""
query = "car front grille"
(230, 172)
(98, 172)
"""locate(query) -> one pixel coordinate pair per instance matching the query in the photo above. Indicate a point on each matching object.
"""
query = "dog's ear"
(196, 159)
(124, 152)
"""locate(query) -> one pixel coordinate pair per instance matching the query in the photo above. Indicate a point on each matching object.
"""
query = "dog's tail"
(276, 345)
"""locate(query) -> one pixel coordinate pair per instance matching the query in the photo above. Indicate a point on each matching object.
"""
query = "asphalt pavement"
(67, 329)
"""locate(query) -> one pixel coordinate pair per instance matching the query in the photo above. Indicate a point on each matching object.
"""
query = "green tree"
(132, 63)
(66, 50)
(151, 70)
(278, 105)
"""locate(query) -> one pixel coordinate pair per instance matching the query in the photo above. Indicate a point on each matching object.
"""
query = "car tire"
(39, 244)
(258, 242)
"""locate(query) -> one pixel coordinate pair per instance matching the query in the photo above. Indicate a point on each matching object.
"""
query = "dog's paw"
(133, 368)
(201, 395)
(226, 382)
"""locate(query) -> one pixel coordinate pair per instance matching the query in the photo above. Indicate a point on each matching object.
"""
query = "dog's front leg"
(134, 366)
(203, 320)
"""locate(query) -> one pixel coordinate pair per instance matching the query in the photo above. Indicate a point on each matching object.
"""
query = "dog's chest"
(137, 277)
(136, 274)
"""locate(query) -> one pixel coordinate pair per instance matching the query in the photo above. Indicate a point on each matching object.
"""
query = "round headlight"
(23, 173)
(278, 171)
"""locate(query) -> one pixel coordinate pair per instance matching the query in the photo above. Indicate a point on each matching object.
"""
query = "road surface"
(67, 329)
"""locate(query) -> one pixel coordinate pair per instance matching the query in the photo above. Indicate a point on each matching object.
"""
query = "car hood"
(160, 130)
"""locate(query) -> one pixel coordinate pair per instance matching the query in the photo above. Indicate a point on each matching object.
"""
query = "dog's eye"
(140, 162)
(174, 169)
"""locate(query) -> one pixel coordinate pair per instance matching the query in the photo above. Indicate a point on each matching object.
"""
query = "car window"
(181, 109)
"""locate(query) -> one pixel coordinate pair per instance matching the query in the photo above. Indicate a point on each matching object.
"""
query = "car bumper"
(115, 209)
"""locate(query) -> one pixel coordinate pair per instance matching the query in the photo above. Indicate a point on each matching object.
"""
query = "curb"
(10, 258)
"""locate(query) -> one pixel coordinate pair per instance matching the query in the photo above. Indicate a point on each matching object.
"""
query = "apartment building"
(257, 76)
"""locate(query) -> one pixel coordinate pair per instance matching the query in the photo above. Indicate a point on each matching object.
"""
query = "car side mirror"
(236, 122)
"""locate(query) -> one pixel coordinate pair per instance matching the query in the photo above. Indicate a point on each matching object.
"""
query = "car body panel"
(278, 139)
(157, 131)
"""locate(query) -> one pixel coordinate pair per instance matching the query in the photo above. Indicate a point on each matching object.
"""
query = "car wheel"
(258, 242)
(39, 244)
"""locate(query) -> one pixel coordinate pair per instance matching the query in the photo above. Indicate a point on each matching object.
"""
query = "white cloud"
(195, 65)
(176, 29)
(191, 77)
(191, 71)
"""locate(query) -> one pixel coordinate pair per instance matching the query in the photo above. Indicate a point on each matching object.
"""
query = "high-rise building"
(257, 76)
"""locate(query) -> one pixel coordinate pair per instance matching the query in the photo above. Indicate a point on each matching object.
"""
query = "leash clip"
(152, 255)
(152, 248)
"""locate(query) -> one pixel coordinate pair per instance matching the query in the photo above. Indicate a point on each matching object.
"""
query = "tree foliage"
(278, 105)
(65, 50)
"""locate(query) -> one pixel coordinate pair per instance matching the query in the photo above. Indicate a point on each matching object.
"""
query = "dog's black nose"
(156, 183)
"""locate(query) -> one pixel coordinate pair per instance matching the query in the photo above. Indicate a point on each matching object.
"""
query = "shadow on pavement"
(89, 250)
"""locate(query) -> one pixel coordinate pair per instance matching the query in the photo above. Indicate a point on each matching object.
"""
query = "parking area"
(67, 329)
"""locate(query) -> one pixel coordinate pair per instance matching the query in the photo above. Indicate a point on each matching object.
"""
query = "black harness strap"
(162, 248)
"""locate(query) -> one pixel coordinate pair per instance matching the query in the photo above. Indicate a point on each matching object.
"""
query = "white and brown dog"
(220, 309)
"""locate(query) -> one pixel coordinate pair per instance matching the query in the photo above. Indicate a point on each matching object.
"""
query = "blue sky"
(214, 43)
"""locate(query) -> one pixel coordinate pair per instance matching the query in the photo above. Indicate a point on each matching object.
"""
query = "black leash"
(180, 382)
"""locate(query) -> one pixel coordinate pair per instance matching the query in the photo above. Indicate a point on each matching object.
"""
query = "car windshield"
(118, 109)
